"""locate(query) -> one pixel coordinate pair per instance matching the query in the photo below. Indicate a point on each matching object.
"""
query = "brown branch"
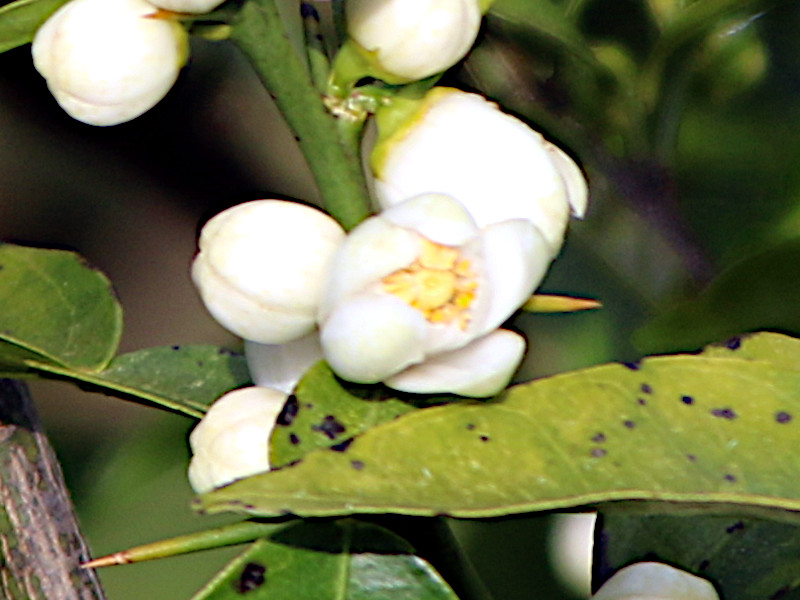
(40, 542)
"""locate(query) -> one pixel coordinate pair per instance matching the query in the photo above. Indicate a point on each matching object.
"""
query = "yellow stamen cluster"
(440, 284)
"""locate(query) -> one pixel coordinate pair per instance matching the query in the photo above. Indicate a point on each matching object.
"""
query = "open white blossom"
(262, 265)
(413, 39)
(415, 296)
(109, 61)
(655, 581)
(460, 144)
(232, 439)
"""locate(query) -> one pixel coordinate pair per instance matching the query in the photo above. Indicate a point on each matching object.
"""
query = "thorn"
(118, 558)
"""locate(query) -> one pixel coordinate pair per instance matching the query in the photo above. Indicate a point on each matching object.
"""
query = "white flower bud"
(413, 39)
(462, 145)
(655, 581)
(232, 439)
(188, 6)
(109, 61)
(262, 265)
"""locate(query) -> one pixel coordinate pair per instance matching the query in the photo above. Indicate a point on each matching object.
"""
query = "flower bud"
(407, 40)
(188, 6)
(261, 267)
(109, 61)
(462, 145)
(655, 581)
(232, 439)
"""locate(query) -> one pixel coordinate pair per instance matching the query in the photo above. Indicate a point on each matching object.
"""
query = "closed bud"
(109, 61)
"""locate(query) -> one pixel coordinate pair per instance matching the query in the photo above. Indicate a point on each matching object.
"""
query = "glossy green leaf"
(19, 20)
(183, 379)
(745, 558)
(322, 414)
(56, 309)
(344, 560)
(759, 292)
(709, 429)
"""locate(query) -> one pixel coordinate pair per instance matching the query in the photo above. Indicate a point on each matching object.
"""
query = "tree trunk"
(41, 546)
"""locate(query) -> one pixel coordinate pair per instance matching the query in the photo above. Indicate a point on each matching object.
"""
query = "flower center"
(440, 284)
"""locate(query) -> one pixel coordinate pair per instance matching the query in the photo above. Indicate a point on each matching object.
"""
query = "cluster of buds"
(109, 61)
(473, 207)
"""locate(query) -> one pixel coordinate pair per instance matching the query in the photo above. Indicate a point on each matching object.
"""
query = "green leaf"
(707, 429)
(55, 309)
(746, 559)
(759, 292)
(183, 379)
(19, 20)
(322, 414)
(344, 560)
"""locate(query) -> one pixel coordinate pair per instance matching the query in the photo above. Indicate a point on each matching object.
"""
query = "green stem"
(259, 34)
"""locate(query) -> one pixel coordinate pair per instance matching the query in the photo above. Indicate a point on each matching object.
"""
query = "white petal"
(573, 178)
(262, 265)
(187, 6)
(496, 165)
(438, 217)
(482, 368)
(515, 259)
(373, 250)
(232, 439)
(281, 366)
(655, 581)
(372, 337)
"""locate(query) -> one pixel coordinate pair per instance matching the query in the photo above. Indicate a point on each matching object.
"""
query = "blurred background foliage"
(687, 130)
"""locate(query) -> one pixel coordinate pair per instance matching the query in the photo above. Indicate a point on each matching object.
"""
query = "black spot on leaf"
(470, 426)
(629, 424)
(633, 366)
(691, 457)
(484, 438)
(293, 439)
(738, 526)
(641, 401)
(646, 389)
(288, 412)
(357, 464)
(730, 477)
(783, 417)
(342, 446)
(330, 427)
(599, 452)
(599, 438)
(176, 347)
(253, 576)
(687, 400)
(309, 405)
(724, 413)
(734, 343)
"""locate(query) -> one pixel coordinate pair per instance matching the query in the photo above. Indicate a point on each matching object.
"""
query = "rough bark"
(41, 546)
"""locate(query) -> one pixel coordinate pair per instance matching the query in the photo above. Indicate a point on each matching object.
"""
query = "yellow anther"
(440, 284)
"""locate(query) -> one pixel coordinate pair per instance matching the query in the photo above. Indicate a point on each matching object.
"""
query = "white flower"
(413, 39)
(281, 366)
(462, 145)
(188, 6)
(655, 581)
(109, 61)
(232, 439)
(416, 293)
(261, 268)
